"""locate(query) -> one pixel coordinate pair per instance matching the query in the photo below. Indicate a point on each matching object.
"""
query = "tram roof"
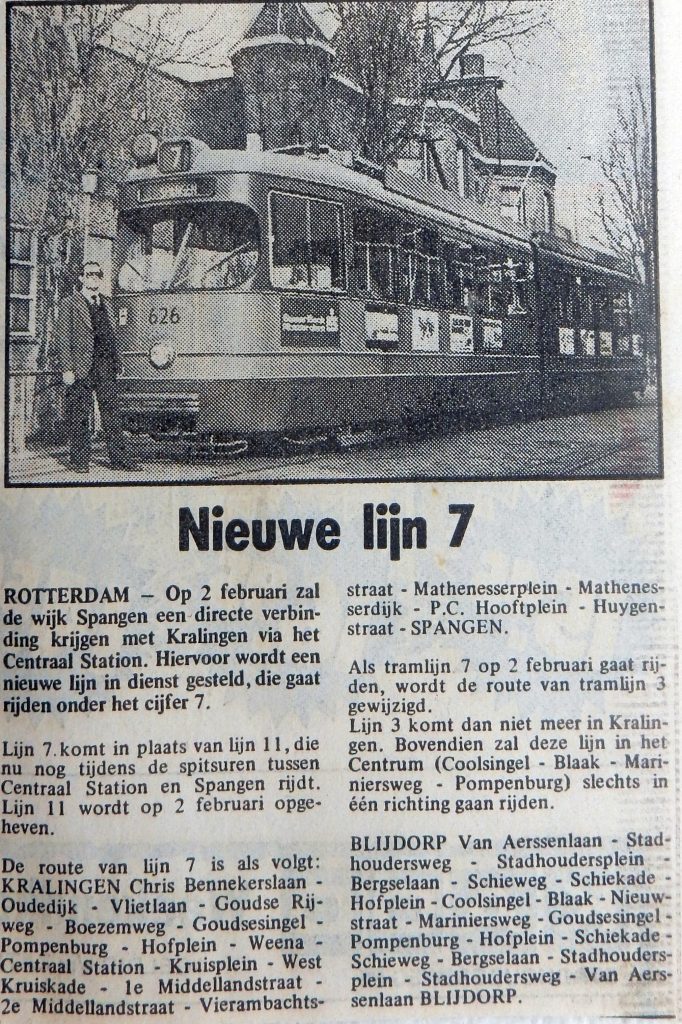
(567, 249)
(401, 191)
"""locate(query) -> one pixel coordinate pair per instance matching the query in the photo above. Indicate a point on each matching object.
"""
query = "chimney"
(472, 65)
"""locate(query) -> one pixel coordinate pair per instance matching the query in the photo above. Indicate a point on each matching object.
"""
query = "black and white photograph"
(343, 241)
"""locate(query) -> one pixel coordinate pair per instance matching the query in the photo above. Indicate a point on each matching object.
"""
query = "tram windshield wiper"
(177, 262)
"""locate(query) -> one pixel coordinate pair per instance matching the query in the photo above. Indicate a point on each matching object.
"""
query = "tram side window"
(307, 243)
(587, 320)
(604, 307)
(289, 242)
(376, 254)
(519, 275)
(567, 314)
(506, 285)
(622, 321)
(605, 319)
(327, 261)
(459, 276)
(481, 295)
(587, 306)
(422, 268)
(567, 301)
(498, 291)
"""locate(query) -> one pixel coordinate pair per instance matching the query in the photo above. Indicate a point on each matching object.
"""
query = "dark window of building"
(22, 281)
(307, 243)
(20, 244)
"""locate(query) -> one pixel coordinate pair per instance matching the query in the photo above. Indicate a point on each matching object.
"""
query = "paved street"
(617, 442)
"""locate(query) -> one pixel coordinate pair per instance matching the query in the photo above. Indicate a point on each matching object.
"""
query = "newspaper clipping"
(339, 665)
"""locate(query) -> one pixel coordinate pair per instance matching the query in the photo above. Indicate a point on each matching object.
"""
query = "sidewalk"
(49, 465)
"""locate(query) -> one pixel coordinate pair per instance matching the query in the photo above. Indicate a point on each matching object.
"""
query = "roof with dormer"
(500, 137)
(470, 107)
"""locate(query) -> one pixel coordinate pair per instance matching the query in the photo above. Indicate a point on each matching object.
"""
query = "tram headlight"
(145, 148)
(161, 355)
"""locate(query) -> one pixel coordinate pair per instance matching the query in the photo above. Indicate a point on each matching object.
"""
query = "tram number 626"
(160, 315)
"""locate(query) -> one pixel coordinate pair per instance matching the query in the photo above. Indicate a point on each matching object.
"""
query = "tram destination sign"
(164, 191)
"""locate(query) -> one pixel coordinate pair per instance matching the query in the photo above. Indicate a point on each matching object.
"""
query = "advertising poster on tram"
(339, 512)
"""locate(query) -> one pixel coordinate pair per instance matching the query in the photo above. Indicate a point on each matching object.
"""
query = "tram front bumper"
(160, 413)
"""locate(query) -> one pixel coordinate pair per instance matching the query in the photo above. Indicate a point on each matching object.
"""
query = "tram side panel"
(235, 370)
(261, 361)
(588, 333)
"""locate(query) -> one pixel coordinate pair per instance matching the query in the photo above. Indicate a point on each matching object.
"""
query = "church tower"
(283, 64)
(429, 56)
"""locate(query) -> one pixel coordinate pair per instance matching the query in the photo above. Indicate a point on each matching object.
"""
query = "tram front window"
(188, 248)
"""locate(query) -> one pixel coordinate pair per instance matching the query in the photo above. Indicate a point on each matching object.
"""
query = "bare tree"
(71, 108)
(68, 109)
(468, 24)
(403, 50)
(626, 210)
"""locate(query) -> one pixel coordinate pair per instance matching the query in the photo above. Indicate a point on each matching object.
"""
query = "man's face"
(92, 278)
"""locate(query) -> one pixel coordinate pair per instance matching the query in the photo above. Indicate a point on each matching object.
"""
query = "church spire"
(429, 55)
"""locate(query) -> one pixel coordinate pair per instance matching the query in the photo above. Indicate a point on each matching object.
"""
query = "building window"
(513, 204)
(548, 212)
(23, 283)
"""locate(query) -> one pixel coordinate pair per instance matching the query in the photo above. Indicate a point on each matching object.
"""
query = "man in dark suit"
(87, 357)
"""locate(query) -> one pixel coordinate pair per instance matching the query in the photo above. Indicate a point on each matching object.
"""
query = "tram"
(293, 295)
